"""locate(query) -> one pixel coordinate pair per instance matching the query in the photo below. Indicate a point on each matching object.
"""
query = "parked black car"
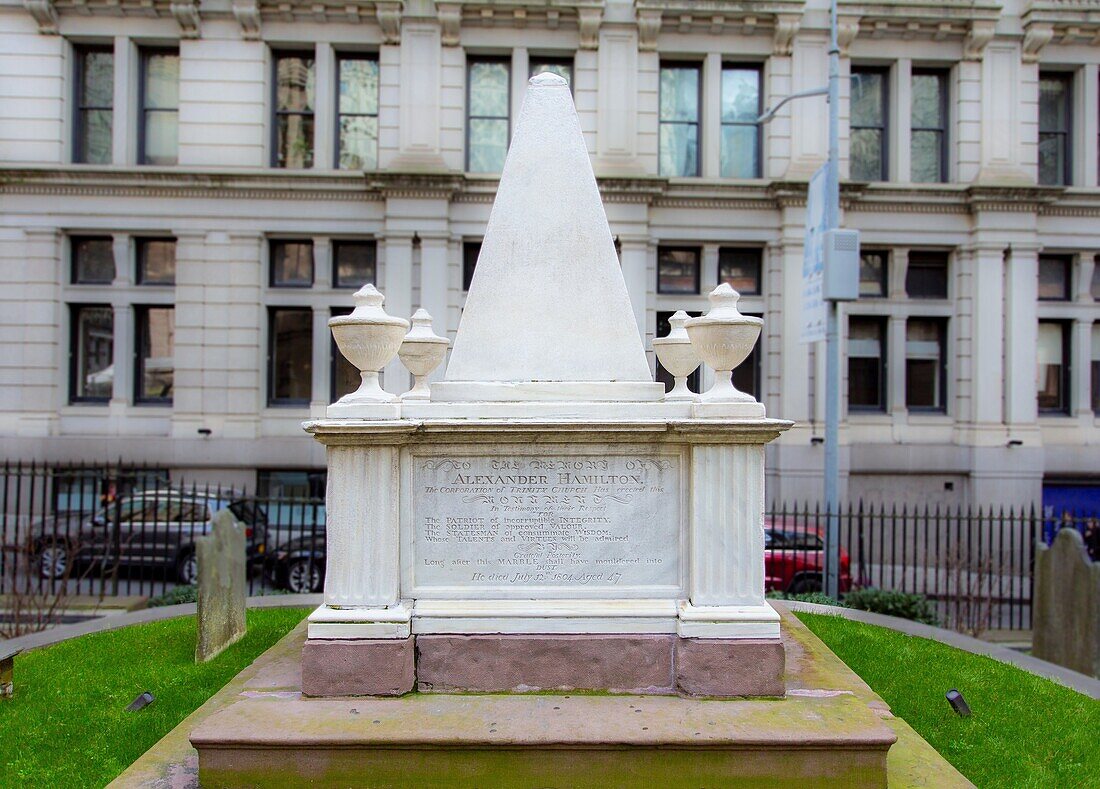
(299, 565)
(154, 528)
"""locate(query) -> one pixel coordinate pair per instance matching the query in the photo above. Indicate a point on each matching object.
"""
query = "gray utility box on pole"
(840, 281)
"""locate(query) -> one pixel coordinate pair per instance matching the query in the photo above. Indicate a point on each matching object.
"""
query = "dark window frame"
(884, 129)
(340, 57)
(274, 401)
(276, 56)
(884, 280)
(929, 254)
(943, 75)
(1065, 408)
(697, 251)
(344, 242)
(469, 262)
(271, 282)
(140, 243)
(141, 324)
(943, 325)
(74, 360)
(883, 366)
(1067, 78)
(758, 170)
(759, 262)
(334, 354)
(697, 67)
(79, 153)
(315, 479)
(1067, 263)
(471, 61)
(74, 267)
(144, 53)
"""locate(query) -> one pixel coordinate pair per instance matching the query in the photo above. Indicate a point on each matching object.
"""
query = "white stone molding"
(847, 28)
(45, 15)
(363, 562)
(588, 20)
(389, 19)
(247, 14)
(1036, 36)
(649, 27)
(187, 16)
(980, 33)
(786, 27)
(450, 22)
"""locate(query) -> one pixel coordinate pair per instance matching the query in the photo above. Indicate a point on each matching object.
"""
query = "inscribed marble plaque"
(606, 522)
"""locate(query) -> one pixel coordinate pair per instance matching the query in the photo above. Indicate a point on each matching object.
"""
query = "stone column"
(1021, 339)
(634, 258)
(397, 288)
(711, 115)
(419, 108)
(983, 292)
(895, 356)
(617, 134)
(324, 111)
(125, 120)
(124, 331)
(433, 286)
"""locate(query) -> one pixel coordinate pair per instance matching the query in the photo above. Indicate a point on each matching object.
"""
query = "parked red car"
(794, 558)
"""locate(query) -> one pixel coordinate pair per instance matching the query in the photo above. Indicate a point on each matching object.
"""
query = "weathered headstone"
(7, 672)
(222, 587)
(1066, 619)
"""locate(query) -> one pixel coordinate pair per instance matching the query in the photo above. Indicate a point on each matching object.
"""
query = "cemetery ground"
(67, 724)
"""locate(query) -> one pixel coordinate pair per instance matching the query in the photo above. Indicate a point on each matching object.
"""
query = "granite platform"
(830, 730)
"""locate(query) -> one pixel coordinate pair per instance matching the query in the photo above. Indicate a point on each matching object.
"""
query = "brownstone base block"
(641, 663)
(730, 667)
(372, 667)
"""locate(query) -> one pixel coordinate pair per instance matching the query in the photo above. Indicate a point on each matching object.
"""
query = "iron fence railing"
(127, 530)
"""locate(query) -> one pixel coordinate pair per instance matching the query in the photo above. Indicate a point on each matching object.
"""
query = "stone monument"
(223, 587)
(545, 517)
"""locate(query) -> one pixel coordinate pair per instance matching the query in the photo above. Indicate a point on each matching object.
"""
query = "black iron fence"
(72, 531)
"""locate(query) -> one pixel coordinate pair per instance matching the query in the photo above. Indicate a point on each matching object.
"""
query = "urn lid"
(422, 329)
(368, 311)
(723, 310)
(677, 334)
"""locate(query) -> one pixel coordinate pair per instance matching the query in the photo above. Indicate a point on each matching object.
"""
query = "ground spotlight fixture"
(815, 440)
(142, 701)
(1015, 442)
(204, 432)
(958, 703)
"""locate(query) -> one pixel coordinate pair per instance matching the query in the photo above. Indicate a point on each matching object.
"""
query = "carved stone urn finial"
(421, 352)
(369, 339)
(724, 338)
(676, 354)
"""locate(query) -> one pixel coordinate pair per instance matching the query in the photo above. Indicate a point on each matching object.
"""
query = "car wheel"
(187, 568)
(805, 584)
(53, 560)
(303, 575)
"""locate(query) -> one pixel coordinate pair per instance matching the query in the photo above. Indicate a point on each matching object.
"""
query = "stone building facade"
(188, 193)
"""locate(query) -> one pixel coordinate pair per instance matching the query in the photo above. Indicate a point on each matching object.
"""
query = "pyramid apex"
(547, 80)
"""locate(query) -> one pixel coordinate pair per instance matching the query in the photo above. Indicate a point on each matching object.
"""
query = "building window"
(1095, 368)
(290, 484)
(1055, 122)
(678, 142)
(95, 91)
(357, 113)
(678, 269)
(1055, 279)
(866, 364)
(925, 364)
(354, 263)
(153, 374)
(291, 264)
(869, 110)
(158, 142)
(344, 377)
(926, 275)
(487, 105)
(295, 76)
(91, 353)
(740, 146)
(290, 356)
(156, 261)
(1054, 367)
(563, 67)
(746, 376)
(928, 136)
(740, 269)
(93, 260)
(872, 273)
(471, 250)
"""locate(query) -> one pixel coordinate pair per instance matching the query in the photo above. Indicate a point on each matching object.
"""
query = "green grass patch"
(1025, 731)
(68, 725)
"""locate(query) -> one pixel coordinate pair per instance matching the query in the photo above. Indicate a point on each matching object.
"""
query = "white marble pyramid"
(548, 316)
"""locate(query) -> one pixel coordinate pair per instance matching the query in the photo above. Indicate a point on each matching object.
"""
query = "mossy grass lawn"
(67, 724)
(1025, 731)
